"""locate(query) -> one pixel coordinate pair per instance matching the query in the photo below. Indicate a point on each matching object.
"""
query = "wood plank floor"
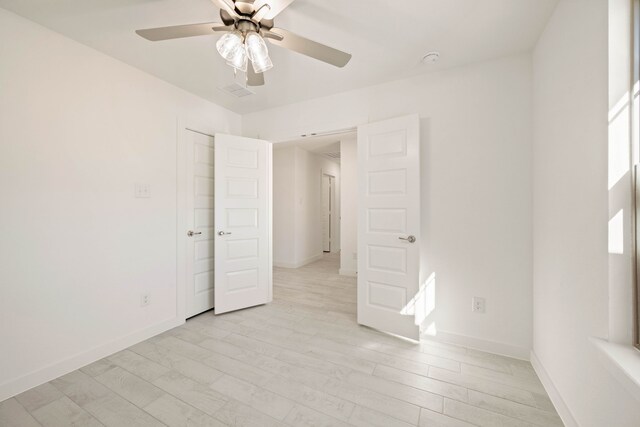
(300, 361)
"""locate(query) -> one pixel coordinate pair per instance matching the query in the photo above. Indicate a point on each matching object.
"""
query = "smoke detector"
(431, 58)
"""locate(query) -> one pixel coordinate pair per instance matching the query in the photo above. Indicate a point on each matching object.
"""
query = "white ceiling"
(386, 37)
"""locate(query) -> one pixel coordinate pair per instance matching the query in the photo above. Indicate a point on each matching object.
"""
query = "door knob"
(410, 239)
(222, 233)
(193, 233)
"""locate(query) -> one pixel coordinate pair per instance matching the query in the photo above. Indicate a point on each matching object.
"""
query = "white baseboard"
(481, 344)
(345, 272)
(552, 391)
(57, 369)
(298, 264)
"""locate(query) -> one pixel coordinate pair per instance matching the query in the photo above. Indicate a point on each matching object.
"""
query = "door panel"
(200, 205)
(242, 223)
(388, 213)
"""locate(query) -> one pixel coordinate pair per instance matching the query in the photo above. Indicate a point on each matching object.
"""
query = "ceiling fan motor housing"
(245, 26)
(245, 10)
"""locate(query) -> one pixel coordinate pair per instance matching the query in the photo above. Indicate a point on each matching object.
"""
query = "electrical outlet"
(477, 305)
(145, 299)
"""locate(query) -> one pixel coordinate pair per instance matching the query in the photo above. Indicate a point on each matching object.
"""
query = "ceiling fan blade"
(259, 14)
(181, 31)
(275, 7)
(253, 78)
(308, 47)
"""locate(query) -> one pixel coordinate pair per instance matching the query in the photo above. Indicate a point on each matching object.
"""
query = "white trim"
(63, 367)
(270, 215)
(346, 272)
(299, 263)
(332, 192)
(494, 347)
(622, 362)
(552, 391)
(181, 203)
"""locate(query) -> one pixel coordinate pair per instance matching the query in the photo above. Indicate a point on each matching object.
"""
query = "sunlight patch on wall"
(619, 141)
(616, 234)
(424, 302)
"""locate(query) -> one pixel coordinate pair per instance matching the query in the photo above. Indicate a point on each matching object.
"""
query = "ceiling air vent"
(333, 155)
(237, 90)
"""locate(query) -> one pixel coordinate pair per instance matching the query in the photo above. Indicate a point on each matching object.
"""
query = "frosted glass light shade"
(258, 52)
(228, 44)
(239, 59)
(263, 65)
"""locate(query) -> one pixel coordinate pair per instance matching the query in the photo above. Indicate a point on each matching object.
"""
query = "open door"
(243, 265)
(389, 224)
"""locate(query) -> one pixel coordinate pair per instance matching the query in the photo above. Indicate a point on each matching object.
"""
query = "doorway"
(308, 224)
(386, 292)
(307, 189)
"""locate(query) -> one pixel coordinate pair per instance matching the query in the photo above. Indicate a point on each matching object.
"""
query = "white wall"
(571, 273)
(298, 223)
(284, 179)
(476, 206)
(349, 207)
(307, 208)
(621, 314)
(77, 130)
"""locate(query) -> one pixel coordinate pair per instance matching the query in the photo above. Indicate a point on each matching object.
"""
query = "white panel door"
(389, 224)
(243, 264)
(200, 203)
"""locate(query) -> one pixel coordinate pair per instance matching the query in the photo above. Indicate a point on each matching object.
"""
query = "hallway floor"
(299, 361)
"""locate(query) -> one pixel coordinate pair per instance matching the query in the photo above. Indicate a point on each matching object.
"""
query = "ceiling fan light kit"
(258, 52)
(239, 60)
(246, 24)
(228, 44)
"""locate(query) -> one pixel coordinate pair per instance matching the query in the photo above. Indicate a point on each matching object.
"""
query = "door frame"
(332, 192)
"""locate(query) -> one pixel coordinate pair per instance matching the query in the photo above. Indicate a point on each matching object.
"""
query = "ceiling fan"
(245, 25)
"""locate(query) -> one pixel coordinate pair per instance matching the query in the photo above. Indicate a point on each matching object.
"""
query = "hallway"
(317, 285)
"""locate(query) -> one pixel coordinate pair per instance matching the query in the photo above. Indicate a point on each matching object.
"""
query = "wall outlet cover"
(145, 299)
(478, 305)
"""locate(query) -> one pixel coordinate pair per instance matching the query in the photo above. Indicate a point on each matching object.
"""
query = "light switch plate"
(142, 191)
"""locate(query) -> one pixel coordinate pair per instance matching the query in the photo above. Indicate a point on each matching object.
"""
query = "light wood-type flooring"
(299, 361)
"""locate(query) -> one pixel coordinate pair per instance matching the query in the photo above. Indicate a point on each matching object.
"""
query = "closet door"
(200, 234)
(243, 261)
